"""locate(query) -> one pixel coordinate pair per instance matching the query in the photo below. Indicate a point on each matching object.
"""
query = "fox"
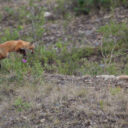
(18, 46)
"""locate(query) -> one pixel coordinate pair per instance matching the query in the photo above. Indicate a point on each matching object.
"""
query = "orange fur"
(14, 46)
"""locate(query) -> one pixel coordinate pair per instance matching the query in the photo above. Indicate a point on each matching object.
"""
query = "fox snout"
(32, 47)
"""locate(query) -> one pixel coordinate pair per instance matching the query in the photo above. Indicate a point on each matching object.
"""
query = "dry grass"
(60, 104)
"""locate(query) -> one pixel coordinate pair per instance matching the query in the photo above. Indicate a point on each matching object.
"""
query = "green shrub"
(115, 38)
(9, 11)
(85, 6)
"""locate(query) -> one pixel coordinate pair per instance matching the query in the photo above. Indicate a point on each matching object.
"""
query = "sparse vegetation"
(115, 91)
(41, 92)
(21, 105)
(62, 59)
(86, 6)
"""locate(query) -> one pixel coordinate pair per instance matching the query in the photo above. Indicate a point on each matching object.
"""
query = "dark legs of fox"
(23, 52)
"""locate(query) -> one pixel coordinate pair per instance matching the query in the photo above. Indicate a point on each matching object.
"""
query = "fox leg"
(3, 57)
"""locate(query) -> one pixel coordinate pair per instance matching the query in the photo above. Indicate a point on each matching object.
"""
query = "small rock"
(106, 77)
(48, 16)
(42, 120)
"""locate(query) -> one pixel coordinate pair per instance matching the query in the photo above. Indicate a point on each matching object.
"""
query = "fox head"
(27, 45)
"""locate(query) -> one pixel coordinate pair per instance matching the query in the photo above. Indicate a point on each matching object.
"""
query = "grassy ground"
(70, 47)
(92, 44)
(64, 101)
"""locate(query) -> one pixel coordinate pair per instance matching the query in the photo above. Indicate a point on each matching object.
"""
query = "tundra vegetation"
(62, 48)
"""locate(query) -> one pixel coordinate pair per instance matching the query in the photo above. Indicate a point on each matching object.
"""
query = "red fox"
(15, 46)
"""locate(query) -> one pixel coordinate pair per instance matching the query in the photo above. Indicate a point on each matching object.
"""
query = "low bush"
(86, 6)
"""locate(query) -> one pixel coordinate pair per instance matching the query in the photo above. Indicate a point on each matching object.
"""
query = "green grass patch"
(21, 105)
(115, 91)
